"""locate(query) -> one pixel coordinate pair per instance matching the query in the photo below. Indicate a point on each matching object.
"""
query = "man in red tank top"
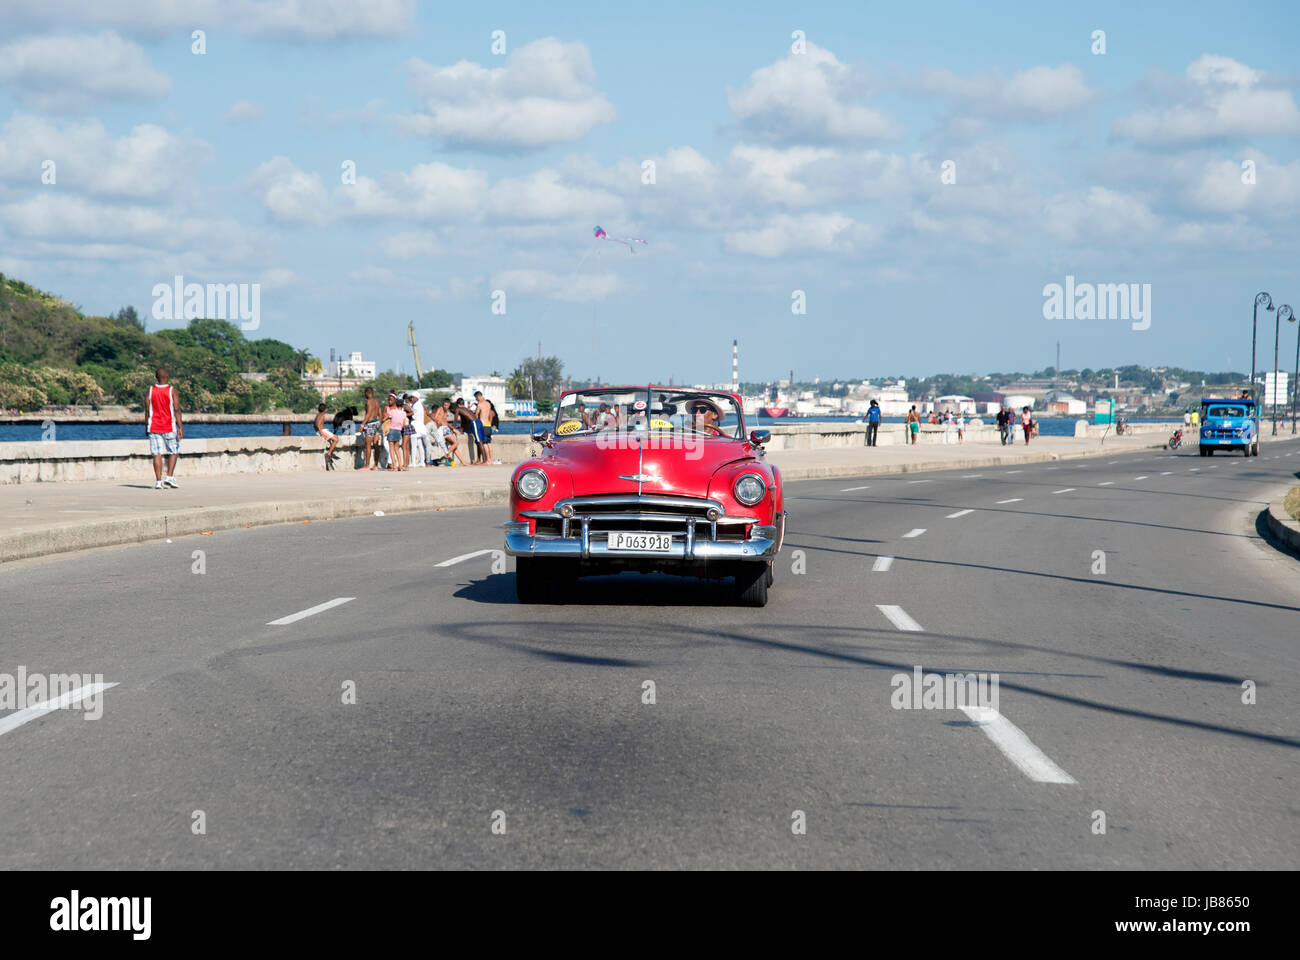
(162, 411)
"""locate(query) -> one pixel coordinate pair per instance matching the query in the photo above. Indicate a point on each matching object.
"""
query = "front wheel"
(1254, 450)
(751, 584)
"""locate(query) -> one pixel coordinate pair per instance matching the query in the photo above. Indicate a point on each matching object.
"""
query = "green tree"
(536, 378)
(435, 379)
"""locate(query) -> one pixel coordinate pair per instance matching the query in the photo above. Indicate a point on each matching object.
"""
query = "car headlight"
(531, 484)
(750, 489)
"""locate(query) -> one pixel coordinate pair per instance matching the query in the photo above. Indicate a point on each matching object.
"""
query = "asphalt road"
(1125, 687)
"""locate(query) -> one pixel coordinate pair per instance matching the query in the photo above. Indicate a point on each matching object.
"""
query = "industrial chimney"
(735, 367)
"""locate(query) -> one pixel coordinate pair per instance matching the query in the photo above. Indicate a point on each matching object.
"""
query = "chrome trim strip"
(586, 537)
(690, 538)
(754, 549)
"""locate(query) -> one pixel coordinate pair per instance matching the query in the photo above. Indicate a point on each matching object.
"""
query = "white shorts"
(327, 435)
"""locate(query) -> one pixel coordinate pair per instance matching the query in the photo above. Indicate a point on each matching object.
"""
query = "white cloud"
(1221, 99)
(784, 235)
(1038, 93)
(809, 98)
(297, 19)
(1101, 214)
(74, 72)
(291, 195)
(147, 162)
(243, 111)
(374, 276)
(1217, 187)
(577, 288)
(542, 95)
(542, 196)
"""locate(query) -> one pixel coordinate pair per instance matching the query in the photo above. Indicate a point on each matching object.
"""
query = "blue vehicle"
(1229, 425)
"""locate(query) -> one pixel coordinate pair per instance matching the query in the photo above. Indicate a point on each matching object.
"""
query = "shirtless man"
(372, 421)
(327, 435)
(484, 415)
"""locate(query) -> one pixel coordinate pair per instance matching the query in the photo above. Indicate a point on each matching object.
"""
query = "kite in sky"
(600, 234)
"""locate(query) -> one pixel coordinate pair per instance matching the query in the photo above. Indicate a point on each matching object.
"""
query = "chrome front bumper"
(761, 545)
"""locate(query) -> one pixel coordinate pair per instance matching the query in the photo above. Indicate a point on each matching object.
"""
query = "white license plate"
(647, 542)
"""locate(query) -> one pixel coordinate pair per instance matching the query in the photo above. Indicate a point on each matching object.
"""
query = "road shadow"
(615, 590)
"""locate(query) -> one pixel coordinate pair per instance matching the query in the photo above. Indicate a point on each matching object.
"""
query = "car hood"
(685, 470)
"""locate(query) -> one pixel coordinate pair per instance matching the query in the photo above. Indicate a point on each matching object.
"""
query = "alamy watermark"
(54, 691)
(179, 300)
(1098, 301)
(943, 691)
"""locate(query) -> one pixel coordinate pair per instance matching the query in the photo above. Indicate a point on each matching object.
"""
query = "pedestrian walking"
(913, 423)
(1027, 421)
(164, 429)
(959, 421)
(873, 423)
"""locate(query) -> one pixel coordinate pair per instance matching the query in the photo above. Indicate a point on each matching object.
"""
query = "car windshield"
(1221, 410)
(697, 413)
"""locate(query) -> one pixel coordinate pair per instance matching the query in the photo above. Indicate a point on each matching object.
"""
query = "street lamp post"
(1260, 298)
(1295, 379)
(1284, 310)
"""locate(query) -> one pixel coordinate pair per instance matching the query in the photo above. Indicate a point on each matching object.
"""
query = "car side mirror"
(541, 436)
(759, 437)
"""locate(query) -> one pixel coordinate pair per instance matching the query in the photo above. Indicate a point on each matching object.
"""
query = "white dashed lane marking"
(70, 699)
(1017, 747)
(959, 513)
(1167, 473)
(882, 564)
(1012, 500)
(898, 617)
(918, 481)
(1139, 478)
(1066, 490)
(851, 489)
(1107, 483)
(310, 611)
(464, 556)
(914, 533)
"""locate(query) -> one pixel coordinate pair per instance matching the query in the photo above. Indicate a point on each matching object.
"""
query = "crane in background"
(410, 338)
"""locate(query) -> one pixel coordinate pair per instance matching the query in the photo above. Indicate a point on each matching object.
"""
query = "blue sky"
(817, 169)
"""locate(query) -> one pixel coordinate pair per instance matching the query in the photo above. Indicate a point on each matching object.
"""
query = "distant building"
(1018, 400)
(354, 366)
(494, 388)
(954, 402)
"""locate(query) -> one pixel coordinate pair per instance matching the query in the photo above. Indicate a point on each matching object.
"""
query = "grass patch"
(1291, 503)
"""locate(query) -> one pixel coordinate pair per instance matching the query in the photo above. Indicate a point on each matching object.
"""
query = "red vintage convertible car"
(650, 479)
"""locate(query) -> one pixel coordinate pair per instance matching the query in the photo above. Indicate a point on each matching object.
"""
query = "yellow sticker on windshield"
(657, 424)
(568, 426)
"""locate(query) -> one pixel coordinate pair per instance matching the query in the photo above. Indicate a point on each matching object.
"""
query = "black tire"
(1254, 450)
(531, 583)
(1209, 451)
(1205, 451)
(771, 574)
(751, 584)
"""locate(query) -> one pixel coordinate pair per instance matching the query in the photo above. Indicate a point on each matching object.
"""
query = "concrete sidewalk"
(45, 518)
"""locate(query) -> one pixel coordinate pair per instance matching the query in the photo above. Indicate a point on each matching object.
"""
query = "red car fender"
(724, 479)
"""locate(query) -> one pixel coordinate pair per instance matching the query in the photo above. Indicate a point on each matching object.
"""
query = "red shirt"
(161, 403)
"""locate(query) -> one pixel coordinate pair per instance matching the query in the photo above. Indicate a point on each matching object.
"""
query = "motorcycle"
(1176, 440)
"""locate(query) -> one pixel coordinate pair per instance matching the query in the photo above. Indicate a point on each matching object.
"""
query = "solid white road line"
(463, 556)
(882, 564)
(959, 513)
(1066, 490)
(293, 617)
(1017, 747)
(845, 490)
(1012, 500)
(1108, 483)
(69, 699)
(914, 533)
(898, 616)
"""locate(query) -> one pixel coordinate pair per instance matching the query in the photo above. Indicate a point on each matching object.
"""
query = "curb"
(27, 544)
(1282, 526)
